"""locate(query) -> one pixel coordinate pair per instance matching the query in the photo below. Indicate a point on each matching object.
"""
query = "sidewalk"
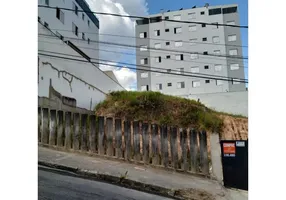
(140, 177)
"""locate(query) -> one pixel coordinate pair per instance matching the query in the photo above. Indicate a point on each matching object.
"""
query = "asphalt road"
(57, 186)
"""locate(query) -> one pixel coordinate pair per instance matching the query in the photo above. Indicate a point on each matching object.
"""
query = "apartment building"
(179, 48)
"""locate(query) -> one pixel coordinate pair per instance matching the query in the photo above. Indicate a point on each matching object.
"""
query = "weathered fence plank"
(164, 145)
(193, 150)
(92, 133)
(52, 127)
(109, 136)
(184, 144)
(68, 142)
(118, 138)
(76, 131)
(155, 139)
(204, 152)
(174, 147)
(83, 145)
(136, 139)
(39, 123)
(101, 135)
(145, 134)
(45, 126)
(127, 140)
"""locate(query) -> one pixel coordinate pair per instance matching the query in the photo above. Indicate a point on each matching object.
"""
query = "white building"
(64, 37)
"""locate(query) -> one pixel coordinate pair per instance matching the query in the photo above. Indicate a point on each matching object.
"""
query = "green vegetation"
(159, 108)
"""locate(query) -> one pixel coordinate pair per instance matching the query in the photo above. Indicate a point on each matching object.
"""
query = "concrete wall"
(230, 102)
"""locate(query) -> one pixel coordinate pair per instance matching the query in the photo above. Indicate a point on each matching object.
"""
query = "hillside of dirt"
(170, 110)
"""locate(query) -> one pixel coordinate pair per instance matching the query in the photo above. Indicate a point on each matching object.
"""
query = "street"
(57, 186)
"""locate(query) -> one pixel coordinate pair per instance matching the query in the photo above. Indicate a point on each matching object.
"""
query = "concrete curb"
(123, 182)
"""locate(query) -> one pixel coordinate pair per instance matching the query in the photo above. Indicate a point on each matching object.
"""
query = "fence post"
(194, 150)
(145, 134)
(101, 135)
(184, 144)
(164, 145)
(109, 135)
(155, 151)
(92, 133)
(118, 138)
(45, 126)
(216, 156)
(39, 123)
(68, 130)
(76, 133)
(204, 152)
(84, 132)
(60, 121)
(127, 139)
(136, 138)
(52, 126)
(174, 147)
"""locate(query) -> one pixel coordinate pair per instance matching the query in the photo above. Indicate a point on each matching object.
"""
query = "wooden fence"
(140, 142)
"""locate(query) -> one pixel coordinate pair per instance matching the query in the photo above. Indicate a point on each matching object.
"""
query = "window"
(202, 13)
(167, 43)
(194, 56)
(143, 48)
(159, 86)
(217, 68)
(235, 81)
(205, 53)
(180, 85)
(206, 67)
(203, 25)
(82, 16)
(230, 22)
(234, 66)
(88, 23)
(233, 52)
(231, 38)
(180, 70)
(47, 2)
(229, 10)
(219, 82)
(178, 43)
(158, 59)
(88, 40)
(74, 29)
(157, 45)
(157, 32)
(204, 39)
(142, 21)
(177, 17)
(193, 28)
(75, 8)
(144, 88)
(143, 35)
(196, 84)
(167, 18)
(46, 24)
(83, 36)
(179, 57)
(195, 69)
(178, 30)
(168, 70)
(169, 84)
(192, 15)
(207, 81)
(193, 41)
(144, 75)
(217, 52)
(155, 19)
(215, 39)
(215, 11)
(168, 56)
(144, 61)
(167, 30)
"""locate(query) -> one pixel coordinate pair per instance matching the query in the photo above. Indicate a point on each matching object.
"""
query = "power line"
(156, 39)
(157, 49)
(144, 18)
(157, 68)
(124, 53)
(101, 63)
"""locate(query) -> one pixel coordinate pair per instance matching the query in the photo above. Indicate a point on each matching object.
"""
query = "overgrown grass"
(159, 108)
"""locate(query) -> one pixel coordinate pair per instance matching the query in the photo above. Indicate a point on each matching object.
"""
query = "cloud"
(118, 26)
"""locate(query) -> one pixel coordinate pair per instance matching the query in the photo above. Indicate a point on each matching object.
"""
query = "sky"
(126, 26)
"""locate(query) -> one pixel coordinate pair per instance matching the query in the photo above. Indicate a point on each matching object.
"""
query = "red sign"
(229, 148)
